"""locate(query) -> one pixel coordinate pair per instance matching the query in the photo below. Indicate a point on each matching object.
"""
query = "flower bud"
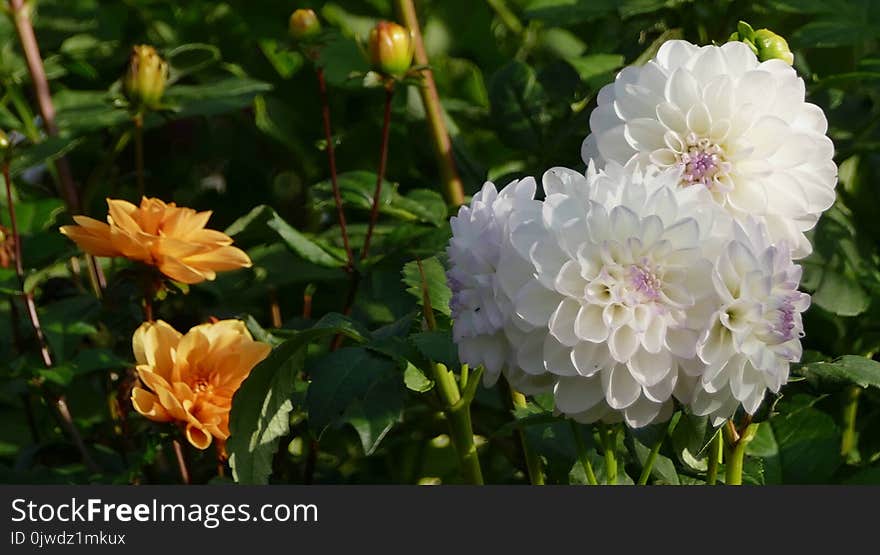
(304, 25)
(772, 46)
(390, 48)
(145, 81)
(4, 141)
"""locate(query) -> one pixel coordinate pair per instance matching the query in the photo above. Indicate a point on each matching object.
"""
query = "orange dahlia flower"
(172, 238)
(191, 378)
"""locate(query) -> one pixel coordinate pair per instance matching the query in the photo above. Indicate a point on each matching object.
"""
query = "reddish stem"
(59, 402)
(181, 461)
(331, 158)
(28, 39)
(380, 177)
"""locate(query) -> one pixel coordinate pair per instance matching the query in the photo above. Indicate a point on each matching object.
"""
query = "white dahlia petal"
(482, 271)
(730, 124)
(622, 273)
(755, 333)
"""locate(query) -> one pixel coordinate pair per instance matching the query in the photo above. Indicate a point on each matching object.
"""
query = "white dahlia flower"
(755, 333)
(621, 267)
(479, 308)
(733, 125)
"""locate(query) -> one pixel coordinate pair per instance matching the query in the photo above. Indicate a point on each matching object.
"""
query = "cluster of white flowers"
(666, 271)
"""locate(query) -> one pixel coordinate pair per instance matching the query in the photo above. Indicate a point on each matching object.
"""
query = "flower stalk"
(138, 121)
(456, 402)
(655, 450)
(737, 443)
(380, 175)
(583, 455)
(609, 445)
(532, 459)
(850, 412)
(453, 190)
(58, 401)
(716, 456)
(30, 47)
(181, 461)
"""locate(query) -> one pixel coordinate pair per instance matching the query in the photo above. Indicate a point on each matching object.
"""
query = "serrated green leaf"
(853, 369)
(435, 281)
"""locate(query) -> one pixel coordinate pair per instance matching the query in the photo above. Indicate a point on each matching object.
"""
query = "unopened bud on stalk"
(390, 49)
(772, 46)
(766, 44)
(147, 75)
(304, 25)
(4, 141)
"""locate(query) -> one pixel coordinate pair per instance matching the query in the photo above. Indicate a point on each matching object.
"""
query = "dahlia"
(479, 307)
(172, 238)
(192, 378)
(620, 288)
(754, 334)
(734, 126)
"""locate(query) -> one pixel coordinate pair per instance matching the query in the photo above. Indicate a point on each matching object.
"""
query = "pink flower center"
(703, 163)
(643, 281)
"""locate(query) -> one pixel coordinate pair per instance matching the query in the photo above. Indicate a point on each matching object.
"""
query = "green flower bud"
(390, 49)
(147, 75)
(304, 25)
(4, 141)
(772, 46)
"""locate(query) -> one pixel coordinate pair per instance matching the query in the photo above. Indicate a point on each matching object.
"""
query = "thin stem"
(181, 461)
(458, 414)
(532, 459)
(58, 402)
(380, 176)
(850, 411)
(507, 16)
(609, 439)
(655, 450)
(275, 308)
(331, 159)
(737, 444)
(453, 190)
(31, 49)
(583, 455)
(139, 152)
(716, 455)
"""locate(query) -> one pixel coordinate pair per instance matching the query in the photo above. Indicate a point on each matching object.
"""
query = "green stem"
(737, 445)
(458, 413)
(850, 410)
(655, 450)
(716, 454)
(583, 456)
(609, 437)
(506, 16)
(453, 189)
(533, 460)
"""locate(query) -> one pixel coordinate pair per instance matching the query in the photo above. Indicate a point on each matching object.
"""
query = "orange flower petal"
(91, 235)
(223, 258)
(153, 343)
(178, 271)
(198, 437)
(148, 405)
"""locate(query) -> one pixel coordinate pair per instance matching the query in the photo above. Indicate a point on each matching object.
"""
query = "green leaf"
(435, 281)
(339, 378)
(217, 97)
(519, 106)
(595, 65)
(253, 228)
(808, 442)
(437, 346)
(416, 380)
(303, 246)
(846, 369)
(261, 406)
(41, 153)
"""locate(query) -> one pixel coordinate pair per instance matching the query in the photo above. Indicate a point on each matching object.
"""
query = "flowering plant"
(439, 242)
